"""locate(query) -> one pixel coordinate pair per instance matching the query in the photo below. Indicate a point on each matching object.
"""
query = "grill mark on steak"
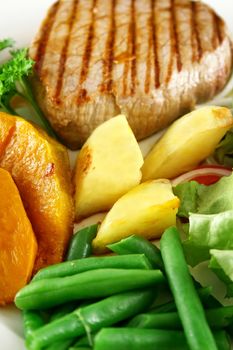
(216, 40)
(174, 37)
(217, 34)
(44, 37)
(82, 93)
(133, 45)
(197, 54)
(63, 57)
(220, 28)
(128, 56)
(153, 44)
(107, 83)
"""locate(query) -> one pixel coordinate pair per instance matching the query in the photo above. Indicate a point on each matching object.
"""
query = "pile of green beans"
(75, 304)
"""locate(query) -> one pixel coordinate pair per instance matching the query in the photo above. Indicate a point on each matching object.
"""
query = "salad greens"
(14, 81)
(221, 263)
(188, 195)
(210, 229)
(213, 199)
(224, 151)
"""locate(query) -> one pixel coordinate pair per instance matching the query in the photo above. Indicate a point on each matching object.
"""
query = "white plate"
(19, 19)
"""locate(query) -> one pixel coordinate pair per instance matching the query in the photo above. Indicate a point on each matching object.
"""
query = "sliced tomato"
(206, 179)
(205, 174)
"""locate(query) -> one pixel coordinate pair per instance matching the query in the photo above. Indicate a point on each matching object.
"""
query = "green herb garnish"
(14, 81)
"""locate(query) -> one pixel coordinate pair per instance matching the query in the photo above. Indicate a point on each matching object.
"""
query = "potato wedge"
(107, 167)
(147, 210)
(18, 245)
(40, 168)
(187, 142)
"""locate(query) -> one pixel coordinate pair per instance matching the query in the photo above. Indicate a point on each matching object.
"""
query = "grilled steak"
(151, 60)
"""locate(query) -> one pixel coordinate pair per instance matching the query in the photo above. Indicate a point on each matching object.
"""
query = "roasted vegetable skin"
(18, 246)
(41, 170)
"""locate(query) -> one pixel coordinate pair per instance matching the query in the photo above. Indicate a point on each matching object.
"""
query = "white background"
(19, 19)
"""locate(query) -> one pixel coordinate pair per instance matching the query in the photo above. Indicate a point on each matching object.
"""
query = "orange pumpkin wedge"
(40, 168)
(18, 245)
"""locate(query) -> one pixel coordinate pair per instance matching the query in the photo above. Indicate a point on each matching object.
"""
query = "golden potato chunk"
(40, 168)
(107, 167)
(187, 142)
(147, 210)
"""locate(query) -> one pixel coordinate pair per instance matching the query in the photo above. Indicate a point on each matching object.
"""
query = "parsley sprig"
(6, 43)
(14, 75)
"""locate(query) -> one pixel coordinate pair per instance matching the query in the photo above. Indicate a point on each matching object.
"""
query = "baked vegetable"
(40, 168)
(187, 142)
(147, 210)
(107, 167)
(18, 245)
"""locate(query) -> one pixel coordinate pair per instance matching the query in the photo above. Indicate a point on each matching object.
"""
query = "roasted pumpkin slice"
(40, 168)
(18, 245)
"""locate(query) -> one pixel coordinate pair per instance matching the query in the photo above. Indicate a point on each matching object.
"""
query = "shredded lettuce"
(216, 198)
(224, 151)
(213, 199)
(222, 264)
(188, 195)
(207, 232)
(210, 213)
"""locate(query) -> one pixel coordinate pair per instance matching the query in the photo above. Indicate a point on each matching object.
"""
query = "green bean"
(78, 348)
(170, 306)
(190, 309)
(217, 318)
(148, 339)
(223, 340)
(32, 320)
(92, 318)
(168, 321)
(138, 245)
(61, 345)
(81, 243)
(91, 284)
(230, 329)
(220, 317)
(62, 311)
(69, 268)
(83, 341)
(208, 300)
(204, 294)
(211, 302)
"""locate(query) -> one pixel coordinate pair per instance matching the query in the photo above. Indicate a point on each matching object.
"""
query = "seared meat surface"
(151, 60)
